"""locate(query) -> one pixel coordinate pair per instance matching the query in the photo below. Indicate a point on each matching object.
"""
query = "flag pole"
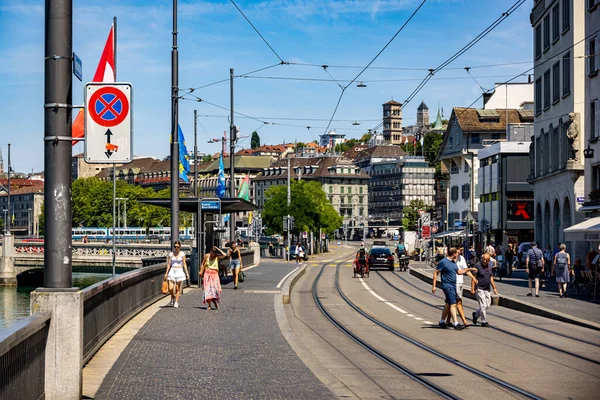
(174, 133)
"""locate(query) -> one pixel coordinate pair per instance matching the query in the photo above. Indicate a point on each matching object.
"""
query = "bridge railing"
(22, 358)
(138, 250)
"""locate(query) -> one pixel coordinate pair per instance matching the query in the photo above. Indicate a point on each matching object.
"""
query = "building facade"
(331, 139)
(25, 209)
(506, 207)
(509, 95)
(393, 185)
(344, 184)
(81, 169)
(559, 76)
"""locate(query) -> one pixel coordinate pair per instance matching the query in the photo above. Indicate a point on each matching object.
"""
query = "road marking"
(389, 303)
(285, 277)
(263, 291)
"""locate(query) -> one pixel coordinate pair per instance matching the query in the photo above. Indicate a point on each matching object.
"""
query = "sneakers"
(235, 287)
(529, 294)
(485, 325)
(172, 302)
(459, 327)
(537, 295)
(442, 325)
(474, 318)
(176, 305)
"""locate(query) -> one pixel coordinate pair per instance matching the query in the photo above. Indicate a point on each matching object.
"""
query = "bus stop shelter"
(208, 217)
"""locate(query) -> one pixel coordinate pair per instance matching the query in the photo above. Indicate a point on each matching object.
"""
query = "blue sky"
(214, 37)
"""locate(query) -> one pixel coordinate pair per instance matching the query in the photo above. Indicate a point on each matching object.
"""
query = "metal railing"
(22, 358)
(109, 304)
(105, 249)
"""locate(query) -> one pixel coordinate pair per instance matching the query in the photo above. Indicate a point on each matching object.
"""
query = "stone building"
(559, 75)
(81, 169)
(26, 207)
(392, 122)
(344, 184)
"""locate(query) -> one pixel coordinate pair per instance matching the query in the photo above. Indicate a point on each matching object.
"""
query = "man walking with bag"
(534, 265)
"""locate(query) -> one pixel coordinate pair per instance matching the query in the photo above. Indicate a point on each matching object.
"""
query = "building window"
(454, 193)
(360, 200)
(556, 82)
(538, 96)
(330, 189)
(341, 189)
(467, 168)
(547, 32)
(592, 4)
(466, 191)
(555, 24)
(592, 60)
(538, 41)
(595, 119)
(566, 15)
(547, 90)
(360, 190)
(566, 74)
(349, 190)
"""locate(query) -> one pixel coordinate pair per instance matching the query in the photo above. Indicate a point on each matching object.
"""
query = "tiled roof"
(140, 164)
(241, 162)
(39, 188)
(469, 119)
(384, 150)
(322, 164)
(393, 102)
(18, 182)
(423, 106)
(352, 152)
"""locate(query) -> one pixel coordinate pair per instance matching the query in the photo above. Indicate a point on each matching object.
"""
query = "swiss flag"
(105, 72)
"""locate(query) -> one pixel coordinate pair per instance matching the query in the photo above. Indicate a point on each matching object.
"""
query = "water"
(14, 301)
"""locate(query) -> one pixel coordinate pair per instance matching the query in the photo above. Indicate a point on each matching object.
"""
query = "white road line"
(395, 307)
(419, 319)
(428, 323)
(285, 277)
(389, 303)
(409, 315)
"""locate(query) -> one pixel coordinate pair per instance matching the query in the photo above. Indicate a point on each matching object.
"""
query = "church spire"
(438, 122)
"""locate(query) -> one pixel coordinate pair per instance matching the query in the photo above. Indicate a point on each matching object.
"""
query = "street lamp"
(588, 152)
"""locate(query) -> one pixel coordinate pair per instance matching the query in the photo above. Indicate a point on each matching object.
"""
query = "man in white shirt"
(461, 263)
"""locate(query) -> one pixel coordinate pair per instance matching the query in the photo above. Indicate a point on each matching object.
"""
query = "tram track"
(430, 385)
(525, 324)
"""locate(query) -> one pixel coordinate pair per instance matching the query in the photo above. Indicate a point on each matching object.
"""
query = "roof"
(384, 150)
(422, 106)
(39, 188)
(353, 151)
(322, 164)
(469, 119)
(393, 102)
(241, 162)
(18, 182)
(140, 164)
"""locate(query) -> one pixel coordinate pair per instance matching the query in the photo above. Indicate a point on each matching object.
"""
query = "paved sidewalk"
(237, 351)
(516, 287)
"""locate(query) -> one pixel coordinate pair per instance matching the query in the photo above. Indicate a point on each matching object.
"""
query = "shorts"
(459, 290)
(534, 272)
(234, 264)
(450, 292)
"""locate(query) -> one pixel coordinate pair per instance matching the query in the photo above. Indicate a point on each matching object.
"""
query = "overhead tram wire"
(372, 61)
(292, 78)
(406, 68)
(460, 52)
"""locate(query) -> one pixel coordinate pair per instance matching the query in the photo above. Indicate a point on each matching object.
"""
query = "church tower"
(392, 122)
(423, 116)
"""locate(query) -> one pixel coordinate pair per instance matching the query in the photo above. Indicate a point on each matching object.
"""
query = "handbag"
(241, 276)
(164, 289)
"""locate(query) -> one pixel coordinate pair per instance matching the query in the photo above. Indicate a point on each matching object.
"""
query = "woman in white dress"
(177, 272)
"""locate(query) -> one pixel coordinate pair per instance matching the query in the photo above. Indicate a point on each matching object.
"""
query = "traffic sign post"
(426, 231)
(108, 123)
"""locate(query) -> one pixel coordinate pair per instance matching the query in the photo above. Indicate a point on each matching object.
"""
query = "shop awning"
(588, 230)
(450, 234)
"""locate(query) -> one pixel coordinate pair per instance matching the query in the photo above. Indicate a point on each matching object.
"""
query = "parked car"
(381, 257)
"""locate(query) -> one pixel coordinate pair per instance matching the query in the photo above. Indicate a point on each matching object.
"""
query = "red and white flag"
(105, 72)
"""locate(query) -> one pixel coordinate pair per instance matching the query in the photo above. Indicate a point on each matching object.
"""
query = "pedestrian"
(534, 266)
(562, 269)
(176, 273)
(548, 262)
(510, 259)
(235, 263)
(448, 269)
(485, 280)
(270, 249)
(299, 253)
(209, 272)
(461, 263)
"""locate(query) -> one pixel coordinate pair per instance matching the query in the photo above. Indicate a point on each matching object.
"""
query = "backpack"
(362, 255)
(561, 262)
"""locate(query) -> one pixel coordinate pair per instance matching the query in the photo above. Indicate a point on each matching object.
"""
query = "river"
(14, 301)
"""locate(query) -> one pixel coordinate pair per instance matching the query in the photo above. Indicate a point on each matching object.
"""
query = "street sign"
(426, 231)
(426, 219)
(434, 229)
(108, 123)
(581, 199)
(219, 228)
(77, 67)
(210, 205)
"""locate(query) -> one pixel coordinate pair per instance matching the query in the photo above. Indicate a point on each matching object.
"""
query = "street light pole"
(8, 197)
(232, 140)
(174, 132)
(195, 154)
(289, 202)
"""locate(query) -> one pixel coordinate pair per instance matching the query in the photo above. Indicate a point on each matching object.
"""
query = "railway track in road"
(525, 324)
(395, 364)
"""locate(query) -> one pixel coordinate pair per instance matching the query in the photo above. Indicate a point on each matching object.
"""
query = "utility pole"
(57, 143)
(8, 198)
(289, 202)
(174, 132)
(232, 140)
(114, 168)
(195, 155)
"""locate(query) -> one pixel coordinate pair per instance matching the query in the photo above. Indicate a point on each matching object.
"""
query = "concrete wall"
(511, 95)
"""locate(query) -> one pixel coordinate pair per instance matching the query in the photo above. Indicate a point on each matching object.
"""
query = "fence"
(22, 358)
(109, 304)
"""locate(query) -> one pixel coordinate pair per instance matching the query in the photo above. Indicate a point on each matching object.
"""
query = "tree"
(432, 143)
(300, 145)
(254, 140)
(347, 145)
(309, 206)
(207, 158)
(364, 139)
(410, 214)
(412, 148)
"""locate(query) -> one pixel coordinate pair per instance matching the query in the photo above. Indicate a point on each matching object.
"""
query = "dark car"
(381, 257)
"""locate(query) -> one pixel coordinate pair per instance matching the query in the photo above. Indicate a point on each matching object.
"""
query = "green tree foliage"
(364, 139)
(412, 149)
(410, 214)
(309, 206)
(207, 158)
(432, 142)
(300, 145)
(347, 145)
(254, 140)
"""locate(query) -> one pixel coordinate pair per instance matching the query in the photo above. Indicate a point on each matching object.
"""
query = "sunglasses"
(177, 247)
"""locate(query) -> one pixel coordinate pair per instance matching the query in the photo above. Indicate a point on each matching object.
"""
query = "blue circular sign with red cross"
(108, 106)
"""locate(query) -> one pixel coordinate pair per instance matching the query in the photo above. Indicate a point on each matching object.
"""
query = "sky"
(214, 37)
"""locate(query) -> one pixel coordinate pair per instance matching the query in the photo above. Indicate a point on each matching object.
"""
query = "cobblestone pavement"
(516, 287)
(237, 352)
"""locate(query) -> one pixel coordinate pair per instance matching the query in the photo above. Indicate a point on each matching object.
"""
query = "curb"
(518, 305)
(286, 290)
